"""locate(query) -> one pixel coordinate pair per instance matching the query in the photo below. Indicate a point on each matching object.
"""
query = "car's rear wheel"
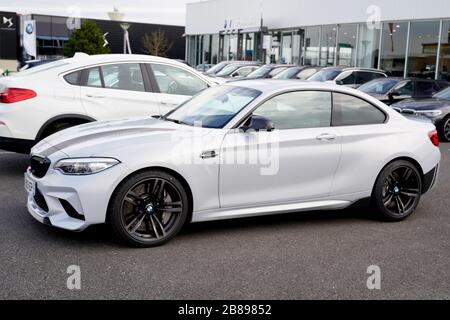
(397, 191)
(445, 129)
(148, 209)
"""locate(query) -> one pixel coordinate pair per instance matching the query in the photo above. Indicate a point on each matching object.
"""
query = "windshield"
(444, 94)
(378, 86)
(260, 73)
(288, 74)
(217, 68)
(213, 108)
(228, 70)
(325, 75)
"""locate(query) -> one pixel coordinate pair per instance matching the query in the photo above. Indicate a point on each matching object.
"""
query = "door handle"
(327, 137)
(209, 154)
(94, 96)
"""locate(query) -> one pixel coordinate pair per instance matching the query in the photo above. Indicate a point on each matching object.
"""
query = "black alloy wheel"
(149, 209)
(398, 191)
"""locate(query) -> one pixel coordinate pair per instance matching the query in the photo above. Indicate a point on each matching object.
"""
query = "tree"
(88, 39)
(157, 44)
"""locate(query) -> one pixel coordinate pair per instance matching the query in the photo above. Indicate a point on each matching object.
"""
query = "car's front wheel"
(397, 191)
(148, 209)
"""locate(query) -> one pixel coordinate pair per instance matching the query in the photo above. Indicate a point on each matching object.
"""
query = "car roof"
(342, 69)
(269, 85)
(82, 60)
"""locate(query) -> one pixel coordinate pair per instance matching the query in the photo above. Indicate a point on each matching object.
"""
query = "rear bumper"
(16, 145)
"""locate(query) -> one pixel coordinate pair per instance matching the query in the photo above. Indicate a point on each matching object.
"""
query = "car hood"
(105, 138)
(422, 104)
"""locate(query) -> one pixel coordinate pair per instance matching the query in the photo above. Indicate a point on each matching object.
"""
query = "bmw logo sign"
(30, 28)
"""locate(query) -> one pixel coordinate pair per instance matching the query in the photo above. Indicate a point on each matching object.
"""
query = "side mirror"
(395, 93)
(258, 123)
(340, 82)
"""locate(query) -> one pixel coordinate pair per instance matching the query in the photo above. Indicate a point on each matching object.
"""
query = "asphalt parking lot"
(296, 256)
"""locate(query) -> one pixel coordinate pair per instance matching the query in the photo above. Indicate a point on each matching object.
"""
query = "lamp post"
(118, 17)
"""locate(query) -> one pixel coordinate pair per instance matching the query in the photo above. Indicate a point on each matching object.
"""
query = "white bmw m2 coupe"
(242, 149)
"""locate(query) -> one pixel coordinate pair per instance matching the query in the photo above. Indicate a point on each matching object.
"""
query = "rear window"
(352, 111)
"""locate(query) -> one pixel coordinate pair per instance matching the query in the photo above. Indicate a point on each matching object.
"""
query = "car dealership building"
(35, 36)
(404, 37)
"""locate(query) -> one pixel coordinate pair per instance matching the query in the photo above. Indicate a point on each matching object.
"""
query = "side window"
(93, 77)
(351, 111)
(405, 88)
(425, 88)
(364, 76)
(177, 81)
(126, 76)
(347, 78)
(243, 72)
(298, 110)
(73, 78)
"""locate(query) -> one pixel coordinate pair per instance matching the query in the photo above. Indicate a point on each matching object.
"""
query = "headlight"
(86, 166)
(429, 113)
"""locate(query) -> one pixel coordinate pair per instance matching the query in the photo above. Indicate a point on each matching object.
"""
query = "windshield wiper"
(175, 121)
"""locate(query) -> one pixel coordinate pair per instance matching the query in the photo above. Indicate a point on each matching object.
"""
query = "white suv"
(43, 100)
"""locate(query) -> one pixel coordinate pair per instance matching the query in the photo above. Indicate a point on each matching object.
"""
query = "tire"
(148, 209)
(397, 191)
(444, 129)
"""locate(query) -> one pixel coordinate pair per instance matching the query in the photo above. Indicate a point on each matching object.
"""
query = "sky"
(171, 12)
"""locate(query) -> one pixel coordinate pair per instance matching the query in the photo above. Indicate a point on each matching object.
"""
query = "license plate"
(30, 185)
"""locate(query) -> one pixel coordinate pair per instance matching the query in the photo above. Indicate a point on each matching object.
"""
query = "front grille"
(39, 166)
(40, 201)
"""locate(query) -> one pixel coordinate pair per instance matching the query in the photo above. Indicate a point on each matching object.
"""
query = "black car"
(299, 73)
(267, 71)
(392, 90)
(436, 108)
(348, 76)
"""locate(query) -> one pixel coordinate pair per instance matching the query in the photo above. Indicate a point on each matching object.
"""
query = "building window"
(312, 46)
(444, 57)
(423, 47)
(368, 47)
(215, 49)
(328, 46)
(347, 45)
(393, 48)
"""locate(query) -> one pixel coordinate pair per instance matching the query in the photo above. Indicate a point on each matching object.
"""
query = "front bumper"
(72, 202)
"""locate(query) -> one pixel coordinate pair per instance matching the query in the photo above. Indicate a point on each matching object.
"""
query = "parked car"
(43, 100)
(350, 77)
(334, 147)
(267, 71)
(299, 73)
(238, 70)
(392, 90)
(436, 108)
(203, 67)
(221, 65)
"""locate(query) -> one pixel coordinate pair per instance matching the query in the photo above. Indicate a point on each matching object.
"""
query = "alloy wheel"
(151, 209)
(447, 129)
(401, 191)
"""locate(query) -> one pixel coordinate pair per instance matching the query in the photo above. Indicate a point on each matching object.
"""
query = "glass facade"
(402, 48)
(444, 56)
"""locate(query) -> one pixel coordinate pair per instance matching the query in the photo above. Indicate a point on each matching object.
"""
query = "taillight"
(12, 95)
(434, 137)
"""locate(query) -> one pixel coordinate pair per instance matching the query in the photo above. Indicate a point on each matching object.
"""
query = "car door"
(117, 90)
(361, 126)
(294, 163)
(174, 85)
